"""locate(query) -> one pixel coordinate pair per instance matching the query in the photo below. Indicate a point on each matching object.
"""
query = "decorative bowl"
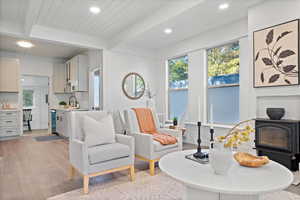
(249, 160)
(275, 113)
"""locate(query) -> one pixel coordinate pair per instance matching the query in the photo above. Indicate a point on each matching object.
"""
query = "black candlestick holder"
(212, 131)
(199, 154)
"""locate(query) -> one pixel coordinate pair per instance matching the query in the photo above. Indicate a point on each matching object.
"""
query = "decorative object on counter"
(6, 106)
(276, 55)
(249, 160)
(62, 104)
(175, 121)
(275, 113)
(73, 103)
(199, 156)
(133, 86)
(221, 155)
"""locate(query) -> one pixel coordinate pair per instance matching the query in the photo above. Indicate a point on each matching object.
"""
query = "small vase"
(220, 158)
(175, 122)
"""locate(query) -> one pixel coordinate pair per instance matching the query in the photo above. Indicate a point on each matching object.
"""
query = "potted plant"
(62, 104)
(221, 155)
(175, 121)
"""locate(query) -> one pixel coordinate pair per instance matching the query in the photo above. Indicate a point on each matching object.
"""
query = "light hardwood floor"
(31, 170)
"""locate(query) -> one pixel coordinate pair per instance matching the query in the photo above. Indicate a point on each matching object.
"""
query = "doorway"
(35, 101)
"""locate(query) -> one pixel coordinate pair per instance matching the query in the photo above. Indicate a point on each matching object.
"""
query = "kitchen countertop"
(9, 109)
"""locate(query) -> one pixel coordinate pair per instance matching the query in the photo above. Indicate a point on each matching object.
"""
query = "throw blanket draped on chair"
(147, 125)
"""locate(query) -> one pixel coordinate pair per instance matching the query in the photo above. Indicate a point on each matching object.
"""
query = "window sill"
(211, 125)
(222, 86)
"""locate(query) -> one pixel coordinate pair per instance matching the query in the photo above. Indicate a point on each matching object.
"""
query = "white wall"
(116, 65)
(259, 17)
(195, 48)
(253, 102)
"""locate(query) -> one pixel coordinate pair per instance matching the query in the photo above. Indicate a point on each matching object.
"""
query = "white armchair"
(146, 148)
(99, 159)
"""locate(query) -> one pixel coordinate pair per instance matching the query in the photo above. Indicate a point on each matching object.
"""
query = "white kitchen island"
(241, 183)
(63, 125)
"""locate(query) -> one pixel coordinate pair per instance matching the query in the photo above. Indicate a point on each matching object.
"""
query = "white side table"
(241, 183)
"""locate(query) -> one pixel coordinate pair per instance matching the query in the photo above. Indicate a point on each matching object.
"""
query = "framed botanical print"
(276, 55)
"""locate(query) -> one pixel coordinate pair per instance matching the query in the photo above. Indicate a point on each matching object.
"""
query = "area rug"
(145, 187)
(296, 178)
(46, 138)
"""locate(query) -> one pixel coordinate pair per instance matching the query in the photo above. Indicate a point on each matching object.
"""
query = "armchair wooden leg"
(86, 184)
(72, 172)
(152, 167)
(132, 173)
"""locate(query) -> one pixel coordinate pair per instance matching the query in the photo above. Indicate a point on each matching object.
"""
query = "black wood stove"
(279, 140)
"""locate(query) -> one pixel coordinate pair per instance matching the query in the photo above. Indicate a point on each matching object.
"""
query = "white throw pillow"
(98, 132)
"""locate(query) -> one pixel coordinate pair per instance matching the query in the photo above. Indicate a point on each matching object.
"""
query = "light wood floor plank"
(31, 170)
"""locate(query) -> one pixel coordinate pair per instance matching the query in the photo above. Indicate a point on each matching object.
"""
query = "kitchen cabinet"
(59, 79)
(9, 123)
(9, 75)
(62, 123)
(77, 73)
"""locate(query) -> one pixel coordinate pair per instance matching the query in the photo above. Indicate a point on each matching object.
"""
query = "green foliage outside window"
(178, 72)
(223, 60)
(27, 98)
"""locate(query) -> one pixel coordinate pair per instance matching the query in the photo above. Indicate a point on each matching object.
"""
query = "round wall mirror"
(133, 85)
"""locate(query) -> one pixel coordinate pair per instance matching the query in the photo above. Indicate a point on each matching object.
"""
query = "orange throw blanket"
(147, 125)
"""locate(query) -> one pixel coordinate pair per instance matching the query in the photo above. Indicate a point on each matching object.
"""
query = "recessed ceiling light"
(95, 10)
(168, 31)
(25, 44)
(223, 6)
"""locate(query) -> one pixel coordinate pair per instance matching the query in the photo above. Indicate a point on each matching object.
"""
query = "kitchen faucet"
(73, 101)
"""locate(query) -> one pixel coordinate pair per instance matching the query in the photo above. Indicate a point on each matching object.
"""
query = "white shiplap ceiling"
(41, 48)
(199, 19)
(13, 11)
(137, 23)
(73, 15)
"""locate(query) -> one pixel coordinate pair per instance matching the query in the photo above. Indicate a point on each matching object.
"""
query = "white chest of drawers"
(9, 123)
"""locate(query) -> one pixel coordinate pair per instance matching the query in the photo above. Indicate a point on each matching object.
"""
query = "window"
(177, 87)
(27, 98)
(223, 84)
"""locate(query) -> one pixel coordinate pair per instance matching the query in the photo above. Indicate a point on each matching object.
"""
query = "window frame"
(206, 103)
(33, 99)
(168, 90)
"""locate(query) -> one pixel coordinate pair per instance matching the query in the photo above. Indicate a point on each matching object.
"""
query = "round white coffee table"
(241, 183)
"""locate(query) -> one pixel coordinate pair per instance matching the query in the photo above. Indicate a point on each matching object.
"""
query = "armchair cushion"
(160, 147)
(107, 152)
(98, 132)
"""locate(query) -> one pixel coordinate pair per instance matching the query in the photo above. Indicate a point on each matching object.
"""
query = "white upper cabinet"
(9, 75)
(59, 78)
(71, 76)
(77, 73)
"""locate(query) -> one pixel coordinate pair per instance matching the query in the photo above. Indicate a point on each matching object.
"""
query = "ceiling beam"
(168, 11)
(12, 29)
(33, 10)
(66, 37)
